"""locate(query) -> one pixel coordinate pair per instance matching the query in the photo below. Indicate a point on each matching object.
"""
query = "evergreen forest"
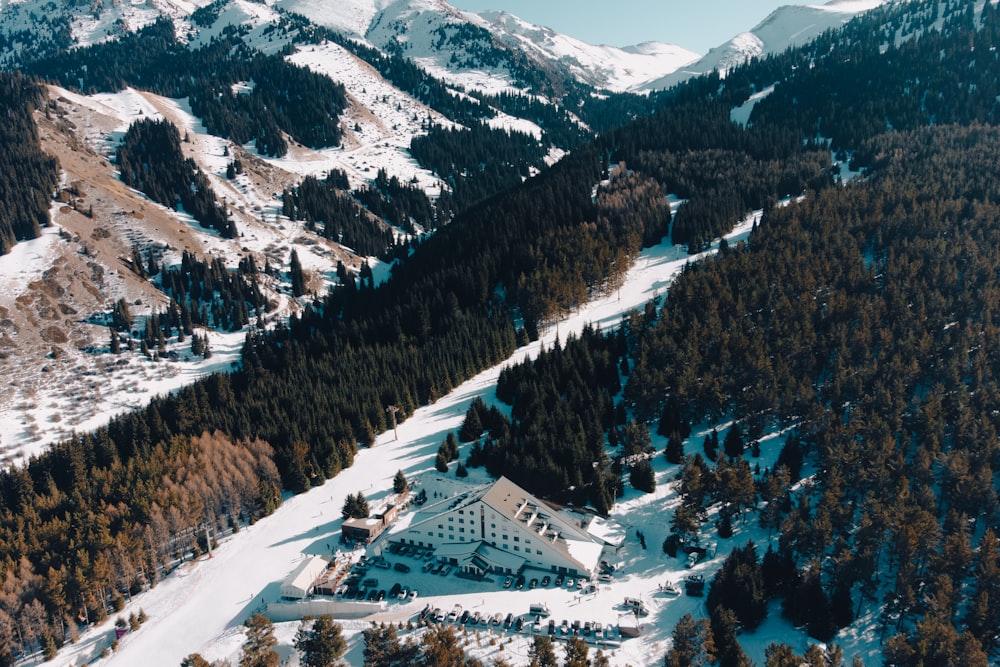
(859, 319)
(28, 175)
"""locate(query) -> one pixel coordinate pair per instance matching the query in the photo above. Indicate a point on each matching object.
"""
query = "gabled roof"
(510, 500)
(564, 535)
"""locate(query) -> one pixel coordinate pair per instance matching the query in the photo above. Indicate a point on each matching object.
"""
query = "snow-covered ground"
(202, 606)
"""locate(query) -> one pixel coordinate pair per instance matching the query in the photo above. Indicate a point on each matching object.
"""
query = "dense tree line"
(402, 204)
(28, 175)
(326, 207)
(150, 159)
(284, 98)
(893, 69)
(562, 410)
(87, 523)
(478, 161)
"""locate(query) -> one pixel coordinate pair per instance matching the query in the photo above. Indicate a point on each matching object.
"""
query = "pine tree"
(642, 476)
(733, 442)
(258, 648)
(472, 427)
(320, 644)
(355, 507)
(296, 274)
(576, 653)
(399, 483)
(693, 645)
(541, 653)
(674, 452)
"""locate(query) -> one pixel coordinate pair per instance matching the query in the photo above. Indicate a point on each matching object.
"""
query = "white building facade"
(502, 529)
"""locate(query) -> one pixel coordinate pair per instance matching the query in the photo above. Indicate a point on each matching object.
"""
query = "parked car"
(507, 622)
(669, 588)
(546, 580)
(372, 594)
(464, 617)
(570, 583)
(508, 581)
(394, 591)
(533, 584)
(427, 566)
(413, 595)
(380, 596)
(401, 567)
(559, 580)
(518, 623)
(446, 570)
(403, 593)
(520, 582)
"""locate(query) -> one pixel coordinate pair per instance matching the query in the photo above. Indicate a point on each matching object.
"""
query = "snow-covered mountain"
(459, 45)
(787, 26)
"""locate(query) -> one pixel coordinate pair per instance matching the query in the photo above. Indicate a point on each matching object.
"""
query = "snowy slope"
(787, 26)
(602, 66)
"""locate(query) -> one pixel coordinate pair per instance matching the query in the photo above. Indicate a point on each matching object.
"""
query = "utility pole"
(392, 410)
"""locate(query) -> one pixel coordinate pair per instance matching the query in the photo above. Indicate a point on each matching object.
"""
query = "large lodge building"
(502, 528)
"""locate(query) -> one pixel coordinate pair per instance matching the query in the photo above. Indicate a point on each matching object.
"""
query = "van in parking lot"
(538, 609)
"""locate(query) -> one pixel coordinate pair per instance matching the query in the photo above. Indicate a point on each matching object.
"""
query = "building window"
(505, 536)
(461, 530)
(493, 534)
(451, 518)
(441, 526)
(517, 548)
(451, 527)
(461, 520)
(538, 551)
(517, 539)
(441, 535)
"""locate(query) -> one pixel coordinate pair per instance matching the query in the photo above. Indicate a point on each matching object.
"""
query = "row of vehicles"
(520, 580)
(589, 630)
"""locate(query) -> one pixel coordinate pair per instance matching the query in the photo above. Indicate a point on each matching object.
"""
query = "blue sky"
(697, 26)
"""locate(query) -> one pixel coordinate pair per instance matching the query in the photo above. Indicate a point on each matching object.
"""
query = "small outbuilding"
(299, 583)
